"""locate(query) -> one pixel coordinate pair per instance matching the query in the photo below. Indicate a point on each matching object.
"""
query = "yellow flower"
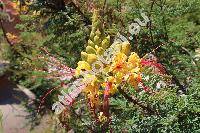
(136, 70)
(120, 57)
(82, 66)
(111, 79)
(126, 47)
(113, 87)
(91, 58)
(134, 60)
(113, 72)
(89, 89)
(90, 79)
(134, 80)
(119, 64)
(119, 77)
(92, 93)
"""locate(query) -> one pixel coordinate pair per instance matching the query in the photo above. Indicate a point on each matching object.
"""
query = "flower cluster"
(104, 67)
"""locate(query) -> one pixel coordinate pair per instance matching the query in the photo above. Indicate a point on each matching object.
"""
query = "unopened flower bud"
(90, 50)
(105, 43)
(84, 56)
(100, 51)
(126, 48)
(91, 58)
(92, 34)
(98, 33)
(96, 40)
(90, 43)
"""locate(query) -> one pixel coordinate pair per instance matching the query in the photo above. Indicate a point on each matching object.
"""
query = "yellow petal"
(126, 48)
(83, 65)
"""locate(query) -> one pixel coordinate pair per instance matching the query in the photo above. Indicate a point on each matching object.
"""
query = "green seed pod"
(84, 56)
(90, 43)
(90, 50)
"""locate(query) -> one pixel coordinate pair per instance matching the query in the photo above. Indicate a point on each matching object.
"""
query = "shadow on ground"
(9, 94)
(16, 118)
